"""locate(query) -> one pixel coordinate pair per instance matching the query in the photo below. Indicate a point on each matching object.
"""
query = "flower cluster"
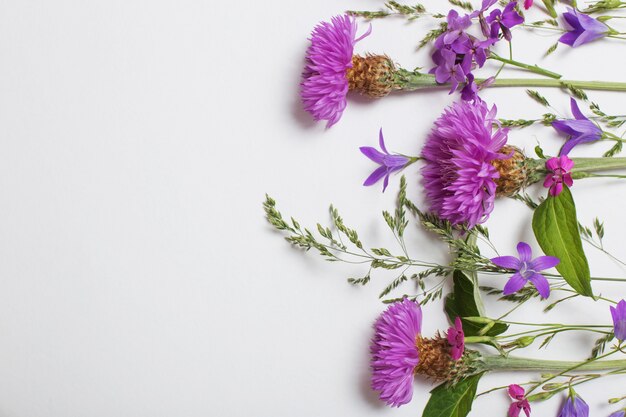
(458, 53)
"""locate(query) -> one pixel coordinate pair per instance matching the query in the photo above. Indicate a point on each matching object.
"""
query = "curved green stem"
(532, 68)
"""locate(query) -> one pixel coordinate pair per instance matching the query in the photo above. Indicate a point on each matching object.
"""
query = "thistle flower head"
(324, 83)
(459, 175)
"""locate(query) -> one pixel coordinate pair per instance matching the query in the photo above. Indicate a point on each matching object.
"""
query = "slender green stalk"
(532, 68)
(511, 363)
(597, 164)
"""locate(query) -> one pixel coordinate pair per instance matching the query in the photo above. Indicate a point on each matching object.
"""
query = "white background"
(139, 278)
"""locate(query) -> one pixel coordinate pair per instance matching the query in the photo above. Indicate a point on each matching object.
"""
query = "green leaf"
(461, 302)
(556, 230)
(452, 401)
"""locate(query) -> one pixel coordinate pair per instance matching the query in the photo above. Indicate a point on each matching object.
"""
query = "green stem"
(532, 68)
(511, 363)
(598, 164)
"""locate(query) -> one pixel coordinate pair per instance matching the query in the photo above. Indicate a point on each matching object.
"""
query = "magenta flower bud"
(456, 338)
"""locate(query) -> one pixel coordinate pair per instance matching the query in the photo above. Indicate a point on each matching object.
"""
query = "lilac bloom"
(619, 320)
(388, 163)
(455, 33)
(447, 69)
(521, 403)
(559, 173)
(527, 269)
(456, 339)
(583, 28)
(580, 130)
(574, 407)
(479, 50)
(504, 20)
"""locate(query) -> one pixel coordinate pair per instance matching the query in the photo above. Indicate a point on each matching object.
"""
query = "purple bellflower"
(504, 20)
(574, 407)
(582, 28)
(456, 339)
(388, 163)
(527, 269)
(324, 85)
(559, 173)
(619, 320)
(394, 352)
(580, 130)
(518, 394)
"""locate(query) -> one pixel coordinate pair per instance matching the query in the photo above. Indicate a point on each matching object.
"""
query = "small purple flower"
(580, 130)
(521, 403)
(619, 320)
(448, 69)
(394, 352)
(582, 28)
(527, 269)
(388, 163)
(574, 407)
(458, 175)
(504, 20)
(560, 173)
(456, 338)
(324, 84)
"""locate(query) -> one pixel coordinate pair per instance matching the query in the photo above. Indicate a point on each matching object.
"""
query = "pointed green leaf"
(462, 303)
(556, 230)
(452, 401)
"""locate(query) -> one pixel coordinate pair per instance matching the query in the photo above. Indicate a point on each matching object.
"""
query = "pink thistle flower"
(458, 175)
(456, 338)
(521, 403)
(324, 84)
(560, 173)
(394, 352)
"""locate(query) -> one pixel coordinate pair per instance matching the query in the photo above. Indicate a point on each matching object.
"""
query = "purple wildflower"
(324, 84)
(394, 352)
(521, 403)
(458, 175)
(619, 320)
(582, 28)
(527, 269)
(574, 407)
(448, 69)
(580, 130)
(456, 338)
(504, 20)
(559, 173)
(388, 163)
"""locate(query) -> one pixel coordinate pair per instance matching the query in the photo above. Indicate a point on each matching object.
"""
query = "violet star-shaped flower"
(619, 320)
(504, 20)
(574, 407)
(527, 269)
(559, 173)
(388, 163)
(521, 403)
(582, 28)
(456, 338)
(580, 130)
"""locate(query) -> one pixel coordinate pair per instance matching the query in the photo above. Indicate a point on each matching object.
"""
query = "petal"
(576, 111)
(569, 38)
(525, 252)
(516, 392)
(514, 284)
(375, 176)
(373, 154)
(514, 410)
(556, 189)
(566, 163)
(386, 182)
(458, 324)
(509, 262)
(541, 283)
(542, 263)
(381, 141)
(552, 164)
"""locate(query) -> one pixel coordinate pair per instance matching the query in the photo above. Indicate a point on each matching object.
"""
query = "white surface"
(139, 277)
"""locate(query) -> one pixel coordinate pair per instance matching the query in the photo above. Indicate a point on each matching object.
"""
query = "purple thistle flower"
(456, 338)
(560, 173)
(527, 269)
(504, 20)
(394, 352)
(458, 175)
(582, 28)
(580, 130)
(574, 407)
(619, 320)
(388, 163)
(521, 403)
(324, 84)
